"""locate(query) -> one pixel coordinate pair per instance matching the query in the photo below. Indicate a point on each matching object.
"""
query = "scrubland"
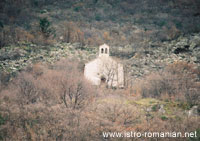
(55, 102)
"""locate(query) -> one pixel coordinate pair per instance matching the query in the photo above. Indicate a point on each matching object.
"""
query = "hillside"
(133, 29)
(138, 61)
(44, 45)
(93, 22)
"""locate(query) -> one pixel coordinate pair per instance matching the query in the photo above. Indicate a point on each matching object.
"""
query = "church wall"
(105, 66)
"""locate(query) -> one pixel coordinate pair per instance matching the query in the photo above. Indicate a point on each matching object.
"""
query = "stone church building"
(105, 70)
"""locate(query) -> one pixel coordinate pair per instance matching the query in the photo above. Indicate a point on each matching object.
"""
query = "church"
(105, 70)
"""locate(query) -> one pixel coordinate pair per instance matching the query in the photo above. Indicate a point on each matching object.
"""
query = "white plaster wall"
(91, 71)
(107, 67)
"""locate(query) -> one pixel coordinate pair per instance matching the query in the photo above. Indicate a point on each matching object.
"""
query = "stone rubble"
(158, 57)
(12, 64)
(154, 58)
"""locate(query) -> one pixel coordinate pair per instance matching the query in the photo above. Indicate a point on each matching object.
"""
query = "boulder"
(161, 109)
(193, 111)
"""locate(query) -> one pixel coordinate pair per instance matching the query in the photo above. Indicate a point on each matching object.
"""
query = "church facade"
(104, 69)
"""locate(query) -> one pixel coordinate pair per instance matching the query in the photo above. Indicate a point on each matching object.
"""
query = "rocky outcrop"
(141, 62)
(13, 59)
(158, 55)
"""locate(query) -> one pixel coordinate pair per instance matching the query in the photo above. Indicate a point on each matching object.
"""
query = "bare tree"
(74, 91)
(73, 95)
(28, 93)
(111, 71)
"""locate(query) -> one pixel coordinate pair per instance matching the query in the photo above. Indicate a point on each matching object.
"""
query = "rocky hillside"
(44, 45)
(138, 62)
(157, 56)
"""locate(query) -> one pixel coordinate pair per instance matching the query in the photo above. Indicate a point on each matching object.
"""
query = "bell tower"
(104, 50)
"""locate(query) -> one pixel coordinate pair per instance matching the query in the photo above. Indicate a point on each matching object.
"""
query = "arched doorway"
(103, 80)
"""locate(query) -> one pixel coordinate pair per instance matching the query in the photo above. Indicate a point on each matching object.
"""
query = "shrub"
(164, 118)
(77, 9)
(98, 17)
(49, 118)
(23, 36)
(73, 89)
(178, 81)
(72, 33)
(14, 35)
(2, 131)
(32, 99)
(154, 108)
(7, 36)
(160, 23)
(45, 27)
(106, 36)
(27, 91)
(2, 120)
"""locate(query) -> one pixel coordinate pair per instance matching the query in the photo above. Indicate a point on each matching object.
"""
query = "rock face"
(104, 69)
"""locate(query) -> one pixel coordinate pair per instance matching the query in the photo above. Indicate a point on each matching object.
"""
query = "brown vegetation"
(55, 102)
(26, 98)
(126, 22)
(179, 81)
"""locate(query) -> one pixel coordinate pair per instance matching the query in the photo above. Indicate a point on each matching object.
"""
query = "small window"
(102, 50)
(106, 51)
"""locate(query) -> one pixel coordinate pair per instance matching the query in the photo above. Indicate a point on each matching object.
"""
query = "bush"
(160, 23)
(71, 33)
(178, 81)
(98, 17)
(41, 104)
(71, 88)
(27, 90)
(2, 120)
(40, 97)
(45, 27)
(14, 35)
(164, 118)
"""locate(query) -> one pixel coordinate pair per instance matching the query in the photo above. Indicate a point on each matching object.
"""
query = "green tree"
(45, 27)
